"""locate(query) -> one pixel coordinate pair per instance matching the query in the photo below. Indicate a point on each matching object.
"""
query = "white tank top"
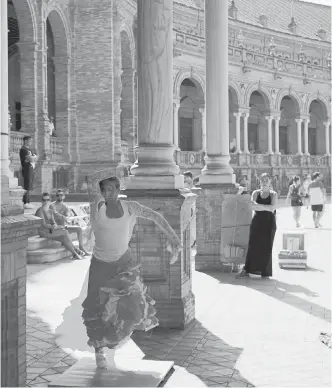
(112, 235)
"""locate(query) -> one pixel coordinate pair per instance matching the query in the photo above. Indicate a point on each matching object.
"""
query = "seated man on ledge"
(62, 215)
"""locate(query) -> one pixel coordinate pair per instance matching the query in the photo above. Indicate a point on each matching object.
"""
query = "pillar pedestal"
(169, 285)
(223, 219)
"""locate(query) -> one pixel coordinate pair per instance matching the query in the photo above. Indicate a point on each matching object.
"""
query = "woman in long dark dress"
(262, 231)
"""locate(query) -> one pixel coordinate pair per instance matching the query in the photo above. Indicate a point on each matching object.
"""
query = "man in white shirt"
(317, 195)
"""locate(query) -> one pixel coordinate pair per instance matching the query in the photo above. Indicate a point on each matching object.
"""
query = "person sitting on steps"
(61, 214)
(49, 229)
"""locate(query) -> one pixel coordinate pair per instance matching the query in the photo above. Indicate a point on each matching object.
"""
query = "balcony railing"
(15, 144)
(189, 159)
(195, 159)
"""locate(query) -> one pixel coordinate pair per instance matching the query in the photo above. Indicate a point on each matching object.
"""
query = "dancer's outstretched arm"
(139, 210)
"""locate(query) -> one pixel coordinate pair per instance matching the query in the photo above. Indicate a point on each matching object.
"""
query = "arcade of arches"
(41, 85)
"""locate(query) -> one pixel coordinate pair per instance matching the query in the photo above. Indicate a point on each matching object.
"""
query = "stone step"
(37, 242)
(48, 255)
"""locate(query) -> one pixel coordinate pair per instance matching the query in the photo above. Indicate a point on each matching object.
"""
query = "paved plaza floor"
(251, 332)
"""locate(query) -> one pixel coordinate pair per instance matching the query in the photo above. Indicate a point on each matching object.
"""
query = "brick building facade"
(75, 61)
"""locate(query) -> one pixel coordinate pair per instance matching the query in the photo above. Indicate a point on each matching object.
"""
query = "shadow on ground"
(281, 291)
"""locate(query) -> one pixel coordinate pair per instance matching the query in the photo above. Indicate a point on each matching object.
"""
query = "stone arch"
(191, 129)
(129, 31)
(191, 74)
(263, 91)
(60, 30)
(23, 106)
(27, 20)
(56, 20)
(294, 97)
(323, 102)
(235, 93)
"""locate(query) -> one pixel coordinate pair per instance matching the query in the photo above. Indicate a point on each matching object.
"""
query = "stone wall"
(15, 230)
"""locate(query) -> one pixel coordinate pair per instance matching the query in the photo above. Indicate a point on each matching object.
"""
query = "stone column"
(156, 180)
(245, 132)
(238, 131)
(7, 179)
(223, 218)
(299, 136)
(217, 168)
(155, 148)
(306, 135)
(269, 134)
(16, 227)
(276, 134)
(202, 112)
(176, 107)
(327, 137)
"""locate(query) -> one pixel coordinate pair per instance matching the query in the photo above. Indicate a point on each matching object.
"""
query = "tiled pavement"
(247, 333)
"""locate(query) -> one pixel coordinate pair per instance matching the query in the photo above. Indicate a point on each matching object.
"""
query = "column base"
(299, 153)
(155, 160)
(169, 285)
(155, 182)
(176, 313)
(210, 179)
(223, 222)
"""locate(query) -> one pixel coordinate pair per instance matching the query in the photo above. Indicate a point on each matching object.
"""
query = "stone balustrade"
(56, 146)
(189, 159)
(15, 144)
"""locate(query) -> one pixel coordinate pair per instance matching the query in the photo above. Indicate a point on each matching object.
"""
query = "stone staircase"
(42, 250)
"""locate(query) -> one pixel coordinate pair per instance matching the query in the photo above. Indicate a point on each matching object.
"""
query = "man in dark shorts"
(62, 214)
(28, 161)
(317, 194)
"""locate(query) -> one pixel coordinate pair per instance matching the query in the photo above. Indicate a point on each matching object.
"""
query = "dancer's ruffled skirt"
(117, 303)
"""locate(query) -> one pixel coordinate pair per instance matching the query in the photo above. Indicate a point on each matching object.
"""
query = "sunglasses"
(60, 195)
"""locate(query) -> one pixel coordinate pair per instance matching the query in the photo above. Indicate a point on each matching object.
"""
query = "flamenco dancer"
(116, 302)
(262, 231)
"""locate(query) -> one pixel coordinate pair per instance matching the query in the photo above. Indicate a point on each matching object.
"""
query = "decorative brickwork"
(15, 230)
(169, 285)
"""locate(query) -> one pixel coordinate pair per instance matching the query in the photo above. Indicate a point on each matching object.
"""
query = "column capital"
(276, 118)
(269, 118)
(201, 109)
(299, 120)
(326, 123)
(237, 114)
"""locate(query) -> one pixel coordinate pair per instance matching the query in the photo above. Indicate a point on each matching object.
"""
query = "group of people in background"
(309, 193)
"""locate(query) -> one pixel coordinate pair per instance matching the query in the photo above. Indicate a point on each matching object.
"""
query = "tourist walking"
(116, 302)
(28, 162)
(49, 228)
(262, 231)
(295, 194)
(306, 184)
(317, 195)
(62, 215)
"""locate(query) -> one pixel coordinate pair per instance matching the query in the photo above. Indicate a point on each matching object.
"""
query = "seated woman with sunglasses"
(49, 228)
